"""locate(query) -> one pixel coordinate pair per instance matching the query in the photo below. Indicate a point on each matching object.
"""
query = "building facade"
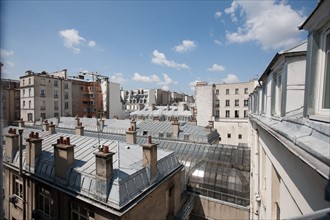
(62, 176)
(45, 95)
(290, 130)
(10, 101)
(227, 106)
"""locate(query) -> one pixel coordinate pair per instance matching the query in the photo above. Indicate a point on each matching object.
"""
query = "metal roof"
(130, 178)
(157, 129)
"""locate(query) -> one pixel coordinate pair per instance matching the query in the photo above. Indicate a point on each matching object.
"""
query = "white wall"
(204, 104)
(115, 108)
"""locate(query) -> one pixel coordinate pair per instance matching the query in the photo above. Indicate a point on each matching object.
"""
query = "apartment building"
(290, 130)
(226, 105)
(45, 95)
(10, 101)
(136, 99)
(65, 176)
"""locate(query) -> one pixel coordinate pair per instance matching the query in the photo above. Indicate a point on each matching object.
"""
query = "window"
(55, 83)
(217, 113)
(246, 102)
(23, 92)
(236, 114)
(217, 92)
(17, 186)
(23, 103)
(66, 105)
(46, 203)
(23, 82)
(66, 95)
(29, 104)
(239, 136)
(228, 135)
(42, 93)
(79, 212)
(217, 103)
(55, 94)
(66, 86)
(29, 92)
(236, 102)
(236, 91)
(56, 105)
(227, 91)
(246, 91)
(227, 113)
(29, 81)
(227, 103)
(245, 113)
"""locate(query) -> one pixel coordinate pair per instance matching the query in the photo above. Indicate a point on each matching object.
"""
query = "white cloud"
(165, 82)
(160, 59)
(146, 79)
(71, 37)
(187, 45)
(6, 53)
(76, 50)
(231, 78)
(91, 43)
(273, 25)
(217, 14)
(231, 11)
(216, 68)
(117, 78)
(217, 42)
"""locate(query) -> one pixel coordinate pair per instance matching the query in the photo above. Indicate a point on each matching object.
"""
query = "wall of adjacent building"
(204, 104)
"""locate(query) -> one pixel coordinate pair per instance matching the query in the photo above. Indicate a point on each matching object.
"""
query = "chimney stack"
(58, 121)
(150, 158)
(131, 136)
(11, 144)
(175, 129)
(51, 128)
(33, 150)
(21, 123)
(45, 125)
(63, 156)
(80, 129)
(104, 171)
(133, 124)
(77, 121)
(211, 125)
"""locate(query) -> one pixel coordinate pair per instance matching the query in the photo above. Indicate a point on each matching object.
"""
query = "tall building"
(45, 95)
(136, 99)
(290, 130)
(10, 100)
(227, 106)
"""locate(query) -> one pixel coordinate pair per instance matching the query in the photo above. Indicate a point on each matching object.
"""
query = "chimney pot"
(61, 139)
(149, 139)
(68, 140)
(37, 135)
(105, 149)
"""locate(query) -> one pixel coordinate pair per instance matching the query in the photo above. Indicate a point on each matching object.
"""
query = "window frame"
(319, 110)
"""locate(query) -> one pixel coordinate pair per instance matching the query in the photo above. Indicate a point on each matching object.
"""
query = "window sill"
(321, 118)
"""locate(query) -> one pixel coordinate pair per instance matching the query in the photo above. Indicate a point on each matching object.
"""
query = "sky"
(150, 44)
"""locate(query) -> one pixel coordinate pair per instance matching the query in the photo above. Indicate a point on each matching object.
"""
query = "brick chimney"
(11, 144)
(63, 156)
(175, 129)
(21, 123)
(104, 171)
(131, 136)
(80, 129)
(150, 157)
(133, 124)
(51, 128)
(45, 125)
(33, 150)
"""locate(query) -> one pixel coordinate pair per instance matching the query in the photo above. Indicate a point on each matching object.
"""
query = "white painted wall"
(204, 104)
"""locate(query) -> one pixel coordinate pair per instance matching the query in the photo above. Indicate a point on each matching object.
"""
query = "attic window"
(145, 133)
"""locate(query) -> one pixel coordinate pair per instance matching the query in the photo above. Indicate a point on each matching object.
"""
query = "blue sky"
(150, 44)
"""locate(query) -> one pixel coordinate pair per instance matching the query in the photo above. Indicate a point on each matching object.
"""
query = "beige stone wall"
(209, 208)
